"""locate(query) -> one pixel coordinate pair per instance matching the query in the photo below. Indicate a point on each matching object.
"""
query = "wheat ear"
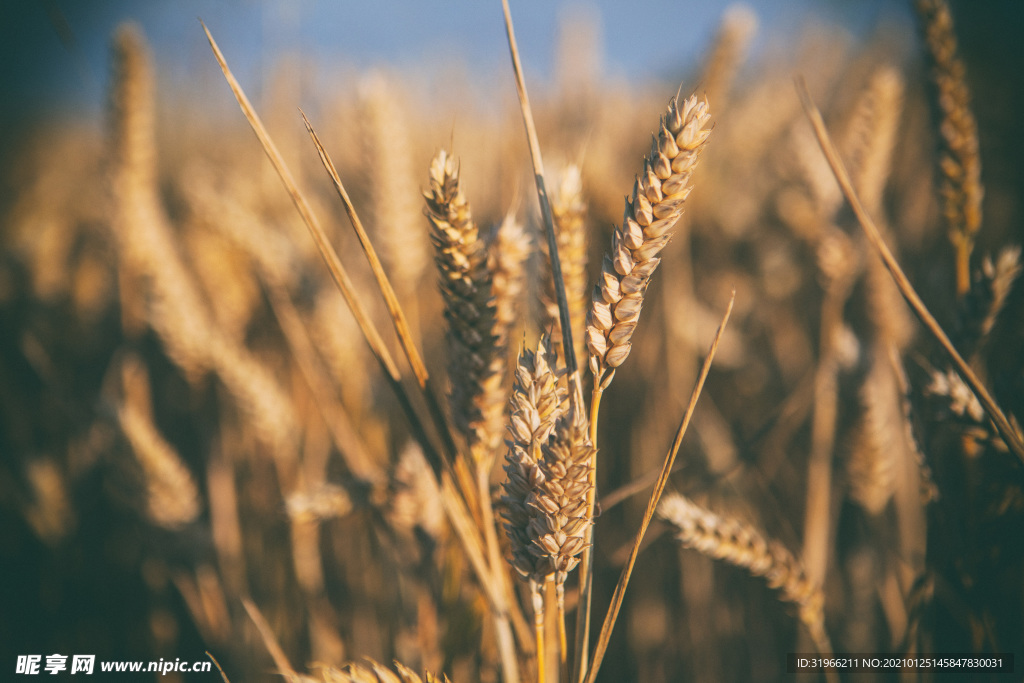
(738, 27)
(508, 251)
(959, 163)
(146, 248)
(982, 305)
(650, 215)
(547, 484)
(465, 282)
(743, 546)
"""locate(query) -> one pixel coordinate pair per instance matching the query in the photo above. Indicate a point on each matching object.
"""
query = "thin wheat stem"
(545, 210)
(537, 594)
(604, 636)
(330, 257)
(506, 645)
(405, 336)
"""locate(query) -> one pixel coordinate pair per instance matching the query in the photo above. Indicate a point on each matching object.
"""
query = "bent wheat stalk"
(1006, 430)
(401, 325)
(334, 265)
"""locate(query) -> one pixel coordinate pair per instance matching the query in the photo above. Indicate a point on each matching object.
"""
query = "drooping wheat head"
(740, 545)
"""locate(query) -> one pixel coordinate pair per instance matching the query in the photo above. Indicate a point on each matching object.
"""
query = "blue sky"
(40, 72)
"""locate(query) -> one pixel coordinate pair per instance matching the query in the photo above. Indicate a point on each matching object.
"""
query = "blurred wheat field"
(203, 453)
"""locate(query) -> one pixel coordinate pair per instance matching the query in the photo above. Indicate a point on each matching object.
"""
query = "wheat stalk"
(1008, 432)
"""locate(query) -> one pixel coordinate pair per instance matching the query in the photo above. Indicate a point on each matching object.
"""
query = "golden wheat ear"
(465, 280)
(647, 223)
(959, 162)
(740, 545)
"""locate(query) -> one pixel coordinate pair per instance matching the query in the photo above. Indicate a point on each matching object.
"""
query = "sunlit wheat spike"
(568, 209)
(507, 256)
(955, 399)
(538, 401)
(878, 444)
(547, 472)
(740, 545)
(959, 164)
(414, 499)
(465, 282)
(651, 213)
(872, 134)
(510, 247)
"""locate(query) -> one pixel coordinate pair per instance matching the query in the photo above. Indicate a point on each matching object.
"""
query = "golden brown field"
(220, 436)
